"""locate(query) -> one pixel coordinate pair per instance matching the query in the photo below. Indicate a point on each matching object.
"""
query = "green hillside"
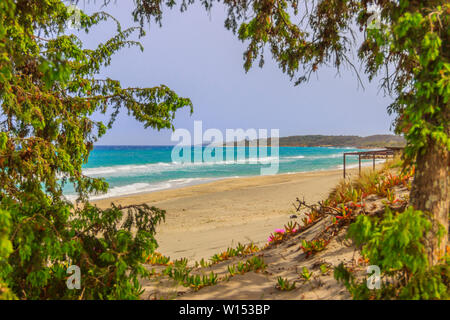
(347, 141)
(374, 141)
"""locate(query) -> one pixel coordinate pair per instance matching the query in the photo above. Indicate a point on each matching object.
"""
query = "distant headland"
(373, 141)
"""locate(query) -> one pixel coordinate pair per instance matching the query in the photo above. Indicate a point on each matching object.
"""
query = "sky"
(196, 56)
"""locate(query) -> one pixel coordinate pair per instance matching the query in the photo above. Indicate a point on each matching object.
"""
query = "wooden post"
(359, 159)
(344, 165)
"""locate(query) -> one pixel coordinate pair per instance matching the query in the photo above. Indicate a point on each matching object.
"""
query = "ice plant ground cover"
(313, 241)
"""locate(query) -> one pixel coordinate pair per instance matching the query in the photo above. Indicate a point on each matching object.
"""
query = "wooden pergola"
(375, 154)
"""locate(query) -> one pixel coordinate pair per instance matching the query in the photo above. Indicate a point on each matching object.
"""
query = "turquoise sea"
(137, 169)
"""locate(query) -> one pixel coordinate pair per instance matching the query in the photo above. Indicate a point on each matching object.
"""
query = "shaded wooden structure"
(375, 154)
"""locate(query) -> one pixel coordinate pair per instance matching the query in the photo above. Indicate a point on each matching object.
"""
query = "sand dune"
(205, 219)
(285, 259)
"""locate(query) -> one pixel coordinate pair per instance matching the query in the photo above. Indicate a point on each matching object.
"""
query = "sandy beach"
(205, 219)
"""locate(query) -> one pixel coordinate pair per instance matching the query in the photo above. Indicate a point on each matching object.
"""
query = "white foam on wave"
(294, 157)
(148, 168)
(136, 169)
(329, 156)
(142, 187)
(312, 157)
(126, 169)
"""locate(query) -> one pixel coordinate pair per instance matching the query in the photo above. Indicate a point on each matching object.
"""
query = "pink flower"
(270, 239)
(279, 231)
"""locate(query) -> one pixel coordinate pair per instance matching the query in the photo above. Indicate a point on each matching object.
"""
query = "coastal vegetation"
(406, 43)
(372, 211)
(180, 272)
(285, 284)
(49, 90)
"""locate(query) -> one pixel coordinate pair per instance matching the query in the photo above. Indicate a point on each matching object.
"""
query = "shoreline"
(205, 219)
(206, 180)
(125, 197)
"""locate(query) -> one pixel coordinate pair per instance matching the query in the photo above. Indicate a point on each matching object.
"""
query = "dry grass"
(369, 182)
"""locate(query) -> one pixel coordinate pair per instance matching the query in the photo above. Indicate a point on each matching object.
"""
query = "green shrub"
(255, 263)
(50, 88)
(284, 284)
(395, 243)
(5, 251)
(306, 274)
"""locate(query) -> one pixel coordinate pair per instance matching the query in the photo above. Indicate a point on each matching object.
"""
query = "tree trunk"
(430, 192)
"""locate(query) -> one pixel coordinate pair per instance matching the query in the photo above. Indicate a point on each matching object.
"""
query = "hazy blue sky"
(198, 58)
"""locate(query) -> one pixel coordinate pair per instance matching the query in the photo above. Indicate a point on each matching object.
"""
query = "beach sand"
(205, 219)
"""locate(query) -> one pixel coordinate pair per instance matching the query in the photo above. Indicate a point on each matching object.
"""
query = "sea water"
(138, 169)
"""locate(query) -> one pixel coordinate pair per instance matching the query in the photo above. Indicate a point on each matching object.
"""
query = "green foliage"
(255, 263)
(240, 250)
(5, 250)
(203, 263)
(407, 47)
(313, 246)
(306, 274)
(422, 103)
(284, 284)
(370, 182)
(395, 243)
(198, 281)
(49, 88)
(232, 270)
(430, 284)
(324, 268)
(180, 272)
(410, 42)
(396, 162)
(157, 258)
(344, 192)
(358, 290)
